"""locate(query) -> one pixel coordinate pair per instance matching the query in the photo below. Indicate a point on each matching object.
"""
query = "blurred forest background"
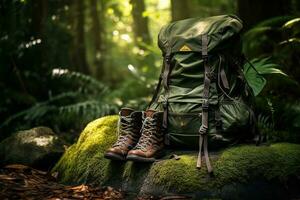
(64, 63)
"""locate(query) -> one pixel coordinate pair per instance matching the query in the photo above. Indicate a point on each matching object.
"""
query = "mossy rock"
(241, 172)
(38, 147)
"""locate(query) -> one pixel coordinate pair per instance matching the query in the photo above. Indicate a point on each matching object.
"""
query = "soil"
(23, 182)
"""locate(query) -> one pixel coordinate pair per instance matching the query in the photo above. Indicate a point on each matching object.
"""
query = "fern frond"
(82, 105)
(85, 83)
(264, 123)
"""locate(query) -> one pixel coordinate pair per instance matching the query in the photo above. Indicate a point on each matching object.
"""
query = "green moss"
(247, 162)
(239, 164)
(84, 162)
(181, 175)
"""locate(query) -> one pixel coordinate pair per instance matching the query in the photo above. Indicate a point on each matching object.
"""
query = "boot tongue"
(126, 111)
(150, 113)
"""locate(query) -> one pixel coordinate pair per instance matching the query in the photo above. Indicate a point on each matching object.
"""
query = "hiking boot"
(129, 127)
(151, 142)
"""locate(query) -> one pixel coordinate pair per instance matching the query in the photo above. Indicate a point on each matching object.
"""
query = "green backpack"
(202, 90)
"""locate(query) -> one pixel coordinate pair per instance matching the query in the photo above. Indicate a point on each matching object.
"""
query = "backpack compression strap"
(204, 127)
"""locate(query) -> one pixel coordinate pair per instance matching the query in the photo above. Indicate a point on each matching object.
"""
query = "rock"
(38, 147)
(241, 172)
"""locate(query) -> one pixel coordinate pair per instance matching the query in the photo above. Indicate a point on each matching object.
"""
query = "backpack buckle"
(165, 104)
(210, 75)
(205, 105)
(168, 59)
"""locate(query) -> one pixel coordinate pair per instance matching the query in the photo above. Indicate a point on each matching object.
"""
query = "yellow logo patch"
(185, 48)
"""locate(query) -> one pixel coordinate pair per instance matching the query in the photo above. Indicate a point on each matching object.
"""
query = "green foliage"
(254, 70)
(287, 119)
(292, 27)
(29, 51)
(71, 107)
(277, 78)
(265, 126)
(275, 21)
(277, 38)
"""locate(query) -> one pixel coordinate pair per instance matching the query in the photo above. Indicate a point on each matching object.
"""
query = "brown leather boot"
(151, 142)
(130, 124)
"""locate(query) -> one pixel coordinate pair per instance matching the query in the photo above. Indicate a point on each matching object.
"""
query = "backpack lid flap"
(185, 35)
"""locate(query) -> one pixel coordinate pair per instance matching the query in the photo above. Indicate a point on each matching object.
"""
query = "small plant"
(255, 70)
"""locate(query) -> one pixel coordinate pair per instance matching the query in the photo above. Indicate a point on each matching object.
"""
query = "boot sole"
(114, 156)
(136, 158)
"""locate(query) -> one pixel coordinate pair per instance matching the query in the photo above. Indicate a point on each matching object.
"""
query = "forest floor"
(23, 182)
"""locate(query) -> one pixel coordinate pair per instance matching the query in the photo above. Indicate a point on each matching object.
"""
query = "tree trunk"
(38, 28)
(39, 16)
(97, 31)
(141, 31)
(254, 11)
(79, 50)
(140, 22)
(180, 9)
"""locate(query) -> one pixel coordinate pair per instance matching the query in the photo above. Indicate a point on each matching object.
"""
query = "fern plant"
(266, 126)
(264, 38)
(83, 100)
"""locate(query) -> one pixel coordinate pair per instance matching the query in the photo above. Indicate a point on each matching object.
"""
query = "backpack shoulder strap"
(158, 86)
(165, 79)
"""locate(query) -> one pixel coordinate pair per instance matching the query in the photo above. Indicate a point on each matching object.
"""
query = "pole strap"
(203, 139)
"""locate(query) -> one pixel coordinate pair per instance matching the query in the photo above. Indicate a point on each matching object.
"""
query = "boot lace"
(148, 129)
(125, 129)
